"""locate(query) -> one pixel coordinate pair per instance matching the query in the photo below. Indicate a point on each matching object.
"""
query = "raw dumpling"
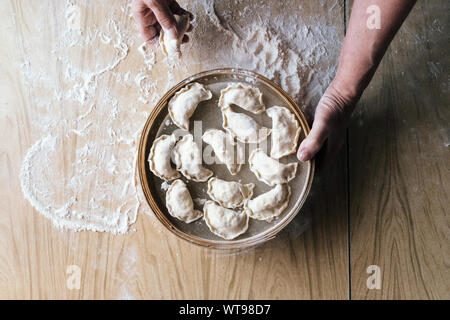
(269, 170)
(271, 204)
(179, 202)
(244, 96)
(183, 104)
(243, 127)
(285, 132)
(229, 194)
(159, 158)
(226, 149)
(224, 222)
(171, 46)
(187, 157)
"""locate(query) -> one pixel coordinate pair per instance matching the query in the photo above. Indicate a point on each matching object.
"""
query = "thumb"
(314, 141)
(328, 116)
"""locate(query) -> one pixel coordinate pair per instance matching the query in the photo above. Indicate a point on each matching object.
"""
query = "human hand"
(329, 127)
(152, 15)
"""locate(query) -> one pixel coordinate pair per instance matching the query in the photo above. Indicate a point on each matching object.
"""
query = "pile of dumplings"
(222, 213)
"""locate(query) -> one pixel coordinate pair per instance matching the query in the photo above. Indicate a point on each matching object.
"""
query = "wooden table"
(384, 203)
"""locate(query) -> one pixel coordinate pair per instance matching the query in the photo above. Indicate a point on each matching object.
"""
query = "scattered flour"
(127, 262)
(165, 185)
(89, 111)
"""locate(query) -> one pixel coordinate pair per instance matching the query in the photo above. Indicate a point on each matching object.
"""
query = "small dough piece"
(271, 171)
(187, 157)
(285, 132)
(271, 204)
(243, 127)
(229, 194)
(171, 46)
(226, 149)
(247, 97)
(159, 158)
(224, 222)
(184, 102)
(179, 202)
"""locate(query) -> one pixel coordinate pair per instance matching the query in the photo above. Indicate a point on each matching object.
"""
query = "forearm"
(363, 48)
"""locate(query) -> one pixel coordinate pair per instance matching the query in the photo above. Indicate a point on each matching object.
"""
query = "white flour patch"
(90, 103)
(165, 185)
(301, 57)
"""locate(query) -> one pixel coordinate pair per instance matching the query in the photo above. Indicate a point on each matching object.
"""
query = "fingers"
(149, 17)
(152, 15)
(328, 120)
(323, 147)
(331, 148)
(328, 131)
(176, 9)
(145, 19)
(164, 16)
(149, 33)
(315, 140)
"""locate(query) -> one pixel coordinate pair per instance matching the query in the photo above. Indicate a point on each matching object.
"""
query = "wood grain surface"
(150, 263)
(386, 204)
(399, 165)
